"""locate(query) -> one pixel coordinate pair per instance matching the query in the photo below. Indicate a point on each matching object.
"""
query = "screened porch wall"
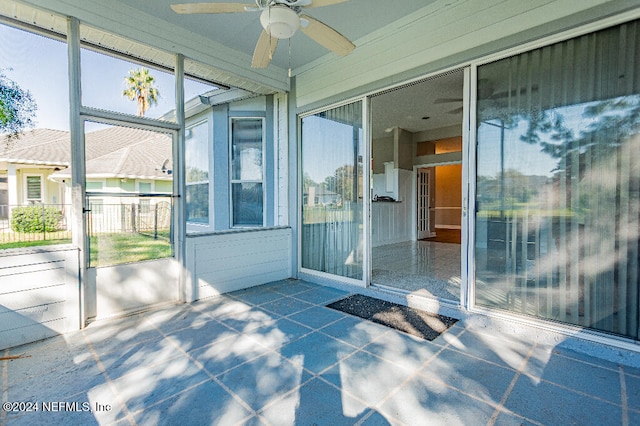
(558, 182)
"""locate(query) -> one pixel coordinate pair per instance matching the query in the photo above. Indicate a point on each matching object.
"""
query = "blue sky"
(39, 65)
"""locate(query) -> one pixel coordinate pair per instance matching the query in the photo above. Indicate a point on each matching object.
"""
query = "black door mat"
(412, 321)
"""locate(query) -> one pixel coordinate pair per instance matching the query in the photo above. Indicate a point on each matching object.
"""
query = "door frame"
(419, 195)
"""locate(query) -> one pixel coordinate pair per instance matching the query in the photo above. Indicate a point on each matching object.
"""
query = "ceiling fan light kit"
(280, 21)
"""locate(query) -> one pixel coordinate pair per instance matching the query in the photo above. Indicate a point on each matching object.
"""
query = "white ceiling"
(438, 98)
(354, 19)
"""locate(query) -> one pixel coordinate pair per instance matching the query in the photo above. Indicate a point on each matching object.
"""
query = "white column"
(12, 184)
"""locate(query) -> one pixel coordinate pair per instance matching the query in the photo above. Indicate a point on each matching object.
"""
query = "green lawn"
(115, 249)
(36, 243)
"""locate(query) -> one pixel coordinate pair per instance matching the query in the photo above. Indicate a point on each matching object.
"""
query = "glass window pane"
(246, 151)
(557, 182)
(197, 173)
(34, 188)
(332, 215)
(247, 204)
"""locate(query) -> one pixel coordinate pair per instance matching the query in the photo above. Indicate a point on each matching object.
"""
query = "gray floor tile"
(355, 331)
(249, 320)
(421, 401)
(321, 295)
(222, 307)
(264, 380)
(375, 418)
(285, 306)
(632, 385)
(503, 351)
(293, 287)
(317, 317)
(546, 403)
(268, 361)
(278, 333)
(475, 377)
(41, 358)
(315, 403)
(316, 352)
(367, 377)
(506, 419)
(256, 295)
(402, 348)
(228, 353)
(37, 418)
(73, 379)
(201, 334)
(182, 320)
(114, 336)
(127, 360)
(147, 386)
(590, 379)
(205, 404)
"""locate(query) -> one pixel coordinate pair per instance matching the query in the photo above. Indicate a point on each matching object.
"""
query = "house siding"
(39, 295)
(447, 33)
(220, 263)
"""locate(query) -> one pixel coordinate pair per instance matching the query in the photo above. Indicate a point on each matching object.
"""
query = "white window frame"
(232, 180)
(42, 198)
(193, 227)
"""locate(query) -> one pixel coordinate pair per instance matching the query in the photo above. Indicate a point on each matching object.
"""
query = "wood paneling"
(39, 295)
(220, 263)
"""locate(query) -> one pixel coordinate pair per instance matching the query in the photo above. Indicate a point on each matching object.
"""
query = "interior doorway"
(416, 181)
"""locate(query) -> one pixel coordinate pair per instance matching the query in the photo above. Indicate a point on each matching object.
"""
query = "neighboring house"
(119, 160)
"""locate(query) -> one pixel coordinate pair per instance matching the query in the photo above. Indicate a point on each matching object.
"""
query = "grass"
(34, 243)
(115, 249)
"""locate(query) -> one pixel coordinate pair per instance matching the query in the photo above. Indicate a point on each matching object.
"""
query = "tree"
(17, 107)
(140, 89)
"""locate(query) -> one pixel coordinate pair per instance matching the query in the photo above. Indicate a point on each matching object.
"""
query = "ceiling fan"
(280, 19)
(485, 92)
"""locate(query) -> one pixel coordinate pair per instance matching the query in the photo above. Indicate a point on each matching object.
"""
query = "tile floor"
(275, 355)
(428, 268)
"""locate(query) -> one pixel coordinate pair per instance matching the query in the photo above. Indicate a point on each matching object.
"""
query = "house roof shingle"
(118, 152)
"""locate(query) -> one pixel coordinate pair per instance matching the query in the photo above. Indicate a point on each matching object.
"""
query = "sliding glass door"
(558, 178)
(332, 205)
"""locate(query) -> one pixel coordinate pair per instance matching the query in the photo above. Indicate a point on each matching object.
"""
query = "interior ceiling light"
(280, 21)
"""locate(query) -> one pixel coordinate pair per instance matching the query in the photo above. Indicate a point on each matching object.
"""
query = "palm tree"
(140, 89)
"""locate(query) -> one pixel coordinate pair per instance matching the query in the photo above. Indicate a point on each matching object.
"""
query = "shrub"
(34, 219)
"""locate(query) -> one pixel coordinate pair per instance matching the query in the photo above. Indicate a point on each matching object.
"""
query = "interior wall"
(448, 206)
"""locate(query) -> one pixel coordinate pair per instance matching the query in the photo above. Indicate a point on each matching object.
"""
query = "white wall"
(392, 222)
(39, 294)
(228, 261)
(122, 289)
(443, 34)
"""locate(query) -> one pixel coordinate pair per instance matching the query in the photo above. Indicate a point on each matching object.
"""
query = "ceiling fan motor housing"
(280, 21)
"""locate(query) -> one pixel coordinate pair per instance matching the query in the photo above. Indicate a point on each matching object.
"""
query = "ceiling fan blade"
(447, 100)
(191, 8)
(321, 3)
(327, 36)
(263, 52)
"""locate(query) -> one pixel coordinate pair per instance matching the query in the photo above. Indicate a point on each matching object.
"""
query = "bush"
(30, 219)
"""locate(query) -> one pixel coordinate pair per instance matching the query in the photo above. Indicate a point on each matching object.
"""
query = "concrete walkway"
(275, 355)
